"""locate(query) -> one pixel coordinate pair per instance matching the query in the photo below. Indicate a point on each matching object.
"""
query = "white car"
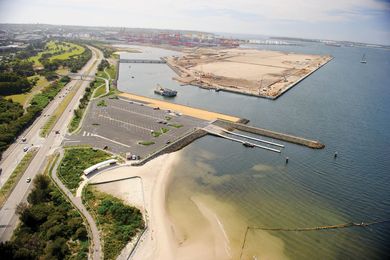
(28, 180)
(25, 149)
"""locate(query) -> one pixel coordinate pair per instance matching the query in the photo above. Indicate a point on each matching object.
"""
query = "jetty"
(229, 126)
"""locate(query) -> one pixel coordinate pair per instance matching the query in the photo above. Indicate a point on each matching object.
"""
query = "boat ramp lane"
(226, 125)
(218, 131)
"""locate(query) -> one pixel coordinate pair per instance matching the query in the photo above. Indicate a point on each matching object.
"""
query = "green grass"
(146, 143)
(112, 71)
(158, 133)
(117, 222)
(75, 161)
(24, 98)
(175, 125)
(54, 46)
(100, 91)
(102, 103)
(15, 176)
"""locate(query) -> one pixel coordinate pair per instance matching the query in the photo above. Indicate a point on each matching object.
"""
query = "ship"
(166, 92)
(363, 60)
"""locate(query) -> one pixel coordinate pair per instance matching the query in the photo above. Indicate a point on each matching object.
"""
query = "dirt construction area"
(261, 73)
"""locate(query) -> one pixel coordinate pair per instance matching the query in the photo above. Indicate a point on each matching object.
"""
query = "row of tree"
(14, 121)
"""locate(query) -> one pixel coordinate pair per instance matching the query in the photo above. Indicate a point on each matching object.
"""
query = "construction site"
(261, 73)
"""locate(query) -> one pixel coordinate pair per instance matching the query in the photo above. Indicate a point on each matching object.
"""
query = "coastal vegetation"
(117, 222)
(75, 161)
(50, 228)
(15, 176)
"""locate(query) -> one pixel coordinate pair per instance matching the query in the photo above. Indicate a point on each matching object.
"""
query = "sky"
(353, 20)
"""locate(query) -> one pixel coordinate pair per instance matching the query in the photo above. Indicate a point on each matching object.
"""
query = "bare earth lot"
(261, 73)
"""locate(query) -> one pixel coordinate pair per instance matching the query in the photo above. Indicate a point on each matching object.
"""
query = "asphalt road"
(13, 155)
(8, 218)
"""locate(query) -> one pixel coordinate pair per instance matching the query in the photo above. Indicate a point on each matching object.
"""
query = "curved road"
(77, 202)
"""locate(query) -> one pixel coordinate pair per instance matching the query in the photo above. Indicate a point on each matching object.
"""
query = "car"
(25, 149)
(57, 132)
(156, 108)
(28, 180)
(24, 139)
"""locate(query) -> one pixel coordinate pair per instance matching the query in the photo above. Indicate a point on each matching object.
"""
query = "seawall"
(174, 146)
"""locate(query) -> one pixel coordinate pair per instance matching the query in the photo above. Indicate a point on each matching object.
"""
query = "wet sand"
(164, 239)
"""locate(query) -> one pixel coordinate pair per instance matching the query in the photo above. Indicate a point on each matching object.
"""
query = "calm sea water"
(345, 105)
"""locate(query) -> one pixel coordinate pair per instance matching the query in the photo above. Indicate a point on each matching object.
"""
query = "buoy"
(335, 155)
(286, 160)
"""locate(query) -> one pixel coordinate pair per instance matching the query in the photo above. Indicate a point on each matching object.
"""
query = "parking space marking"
(113, 141)
(128, 111)
(125, 123)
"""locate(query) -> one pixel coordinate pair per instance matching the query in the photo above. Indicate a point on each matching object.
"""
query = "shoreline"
(162, 239)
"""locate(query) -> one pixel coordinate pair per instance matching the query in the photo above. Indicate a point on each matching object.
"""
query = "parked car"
(25, 149)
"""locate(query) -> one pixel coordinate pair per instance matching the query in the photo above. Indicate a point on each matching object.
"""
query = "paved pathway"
(77, 202)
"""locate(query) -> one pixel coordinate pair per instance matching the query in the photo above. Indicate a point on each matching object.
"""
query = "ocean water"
(345, 105)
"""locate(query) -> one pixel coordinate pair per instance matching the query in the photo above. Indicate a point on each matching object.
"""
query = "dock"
(229, 126)
(218, 131)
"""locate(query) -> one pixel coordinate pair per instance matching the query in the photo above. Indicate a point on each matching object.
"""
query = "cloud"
(246, 16)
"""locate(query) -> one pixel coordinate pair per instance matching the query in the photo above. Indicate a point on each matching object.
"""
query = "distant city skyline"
(350, 20)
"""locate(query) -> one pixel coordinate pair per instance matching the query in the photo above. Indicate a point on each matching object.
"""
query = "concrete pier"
(217, 131)
(268, 133)
(254, 139)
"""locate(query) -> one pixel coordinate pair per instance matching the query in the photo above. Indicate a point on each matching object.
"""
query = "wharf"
(268, 133)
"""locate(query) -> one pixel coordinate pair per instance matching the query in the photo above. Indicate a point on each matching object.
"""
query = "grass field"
(15, 176)
(111, 71)
(75, 161)
(70, 49)
(25, 98)
(100, 91)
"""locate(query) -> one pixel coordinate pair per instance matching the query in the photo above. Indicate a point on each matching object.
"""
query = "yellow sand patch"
(189, 111)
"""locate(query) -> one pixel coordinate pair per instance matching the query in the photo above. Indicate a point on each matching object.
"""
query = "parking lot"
(122, 125)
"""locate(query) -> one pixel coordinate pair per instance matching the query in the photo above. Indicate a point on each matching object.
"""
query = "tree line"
(50, 228)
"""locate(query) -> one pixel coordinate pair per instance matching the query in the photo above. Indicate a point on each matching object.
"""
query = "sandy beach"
(163, 240)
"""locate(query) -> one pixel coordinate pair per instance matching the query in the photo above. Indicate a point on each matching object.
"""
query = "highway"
(8, 218)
